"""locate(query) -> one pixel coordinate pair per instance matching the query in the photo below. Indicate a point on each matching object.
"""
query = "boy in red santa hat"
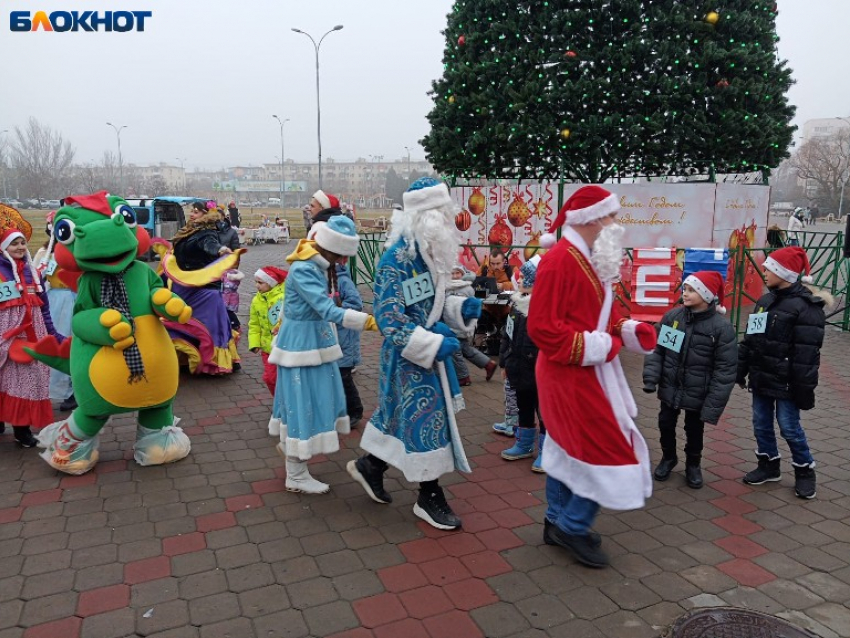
(694, 368)
(781, 355)
(594, 454)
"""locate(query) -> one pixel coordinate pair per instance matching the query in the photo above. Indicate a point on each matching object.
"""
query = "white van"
(274, 201)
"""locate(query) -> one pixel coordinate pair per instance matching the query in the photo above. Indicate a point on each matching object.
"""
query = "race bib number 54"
(671, 338)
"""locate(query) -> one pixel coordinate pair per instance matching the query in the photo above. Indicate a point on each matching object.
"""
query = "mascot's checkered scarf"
(113, 294)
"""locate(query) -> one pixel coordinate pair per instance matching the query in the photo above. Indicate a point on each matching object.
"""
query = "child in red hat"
(265, 316)
(780, 355)
(693, 368)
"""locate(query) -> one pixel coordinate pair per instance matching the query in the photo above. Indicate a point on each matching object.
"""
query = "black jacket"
(701, 376)
(197, 250)
(325, 214)
(517, 352)
(783, 361)
(235, 217)
(227, 235)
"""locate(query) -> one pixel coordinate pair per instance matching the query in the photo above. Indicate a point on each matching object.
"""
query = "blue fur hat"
(529, 272)
(426, 193)
(338, 235)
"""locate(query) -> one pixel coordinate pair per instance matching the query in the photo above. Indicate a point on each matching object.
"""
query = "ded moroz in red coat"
(594, 446)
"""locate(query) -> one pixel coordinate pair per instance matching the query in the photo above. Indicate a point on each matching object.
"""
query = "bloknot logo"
(62, 21)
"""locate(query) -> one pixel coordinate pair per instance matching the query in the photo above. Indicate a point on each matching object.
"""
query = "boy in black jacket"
(518, 358)
(693, 367)
(781, 355)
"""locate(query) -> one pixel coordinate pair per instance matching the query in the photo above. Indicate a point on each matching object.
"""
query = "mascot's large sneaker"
(431, 507)
(156, 447)
(67, 449)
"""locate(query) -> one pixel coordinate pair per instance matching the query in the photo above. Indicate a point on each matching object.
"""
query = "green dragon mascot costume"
(121, 357)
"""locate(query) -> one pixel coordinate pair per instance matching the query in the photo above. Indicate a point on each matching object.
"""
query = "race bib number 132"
(417, 289)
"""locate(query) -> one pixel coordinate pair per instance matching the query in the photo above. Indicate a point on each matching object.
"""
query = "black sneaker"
(24, 437)
(581, 546)
(595, 537)
(68, 404)
(805, 485)
(363, 471)
(431, 507)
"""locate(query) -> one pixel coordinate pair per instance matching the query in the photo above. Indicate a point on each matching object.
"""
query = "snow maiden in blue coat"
(309, 403)
(414, 427)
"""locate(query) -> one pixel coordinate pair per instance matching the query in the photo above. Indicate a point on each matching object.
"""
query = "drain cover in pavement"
(728, 622)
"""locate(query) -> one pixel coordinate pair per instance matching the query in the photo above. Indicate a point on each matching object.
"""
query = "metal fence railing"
(830, 270)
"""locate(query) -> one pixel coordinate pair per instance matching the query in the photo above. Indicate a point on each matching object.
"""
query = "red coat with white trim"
(594, 447)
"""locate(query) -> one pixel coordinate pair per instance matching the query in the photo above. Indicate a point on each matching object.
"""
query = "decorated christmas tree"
(595, 89)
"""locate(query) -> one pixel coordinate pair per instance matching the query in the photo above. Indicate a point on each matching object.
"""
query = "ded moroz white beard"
(433, 232)
(607, 253)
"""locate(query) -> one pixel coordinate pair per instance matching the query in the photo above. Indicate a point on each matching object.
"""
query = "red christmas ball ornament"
(500, 234)
(461, 40)
(570, 54)
(723, 83)
(463, 220)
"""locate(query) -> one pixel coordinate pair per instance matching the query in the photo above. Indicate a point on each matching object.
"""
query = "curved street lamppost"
(3, 163)
(318, 102)
(407, 148)
(282, 177)
(846, 176)
(182, 168)
(118, 130)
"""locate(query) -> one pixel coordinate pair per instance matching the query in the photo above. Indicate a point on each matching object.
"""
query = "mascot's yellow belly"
(109, 373)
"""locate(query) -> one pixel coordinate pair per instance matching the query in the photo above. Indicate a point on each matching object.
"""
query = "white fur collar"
(521, 302)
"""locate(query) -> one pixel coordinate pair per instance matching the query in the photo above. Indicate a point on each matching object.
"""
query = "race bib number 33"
(9, 291)
(416, 289)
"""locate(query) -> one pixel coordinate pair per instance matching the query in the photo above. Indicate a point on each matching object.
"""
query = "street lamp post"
(407, 148)
(3, 161)
(181, 160)
(282, 177)
(318, 103)
(118, 130)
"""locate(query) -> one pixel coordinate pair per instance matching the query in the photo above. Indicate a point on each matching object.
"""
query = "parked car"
(51, 204)
(14, 203)
(161, 216)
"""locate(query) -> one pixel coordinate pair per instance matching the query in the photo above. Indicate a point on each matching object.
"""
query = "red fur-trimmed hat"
(708, 284)
(789, 263)
(326, 200)
(587, 204)
(271, 275)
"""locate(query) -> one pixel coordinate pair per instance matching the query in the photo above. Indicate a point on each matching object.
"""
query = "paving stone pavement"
(213, 546)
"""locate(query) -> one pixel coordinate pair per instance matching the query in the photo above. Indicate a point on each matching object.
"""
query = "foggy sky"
(203, 80)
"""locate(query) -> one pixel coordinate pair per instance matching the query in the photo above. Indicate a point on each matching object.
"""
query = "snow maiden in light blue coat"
(309, 404)
(413, 429)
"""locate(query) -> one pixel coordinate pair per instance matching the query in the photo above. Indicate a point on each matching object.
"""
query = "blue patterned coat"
(309, 401)
(410, 428)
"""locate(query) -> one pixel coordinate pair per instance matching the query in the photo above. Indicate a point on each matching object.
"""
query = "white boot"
(298, 478)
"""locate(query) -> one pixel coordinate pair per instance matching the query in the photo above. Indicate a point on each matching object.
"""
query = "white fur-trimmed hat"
(339, 236)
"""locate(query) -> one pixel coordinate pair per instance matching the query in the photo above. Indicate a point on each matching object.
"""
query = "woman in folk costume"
(594, 454)
(309, 409)
(414, 427)
(207, 343)
(24, 319)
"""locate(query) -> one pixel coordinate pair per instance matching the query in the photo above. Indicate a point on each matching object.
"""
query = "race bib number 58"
(757, 323)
